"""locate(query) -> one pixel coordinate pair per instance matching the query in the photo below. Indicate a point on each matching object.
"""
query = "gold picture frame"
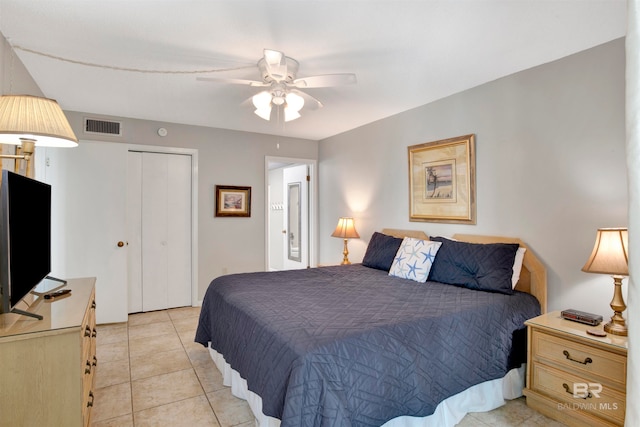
(442, 181)
(232, 200)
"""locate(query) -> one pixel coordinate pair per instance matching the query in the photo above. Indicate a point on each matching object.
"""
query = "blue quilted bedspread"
(352, 346)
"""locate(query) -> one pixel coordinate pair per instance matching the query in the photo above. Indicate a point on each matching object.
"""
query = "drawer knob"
(87, 369)
(583, 362)
(90, 402)
(568, 390)
(87, 331)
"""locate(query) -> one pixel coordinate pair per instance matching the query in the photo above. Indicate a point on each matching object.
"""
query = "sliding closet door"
(160, 263)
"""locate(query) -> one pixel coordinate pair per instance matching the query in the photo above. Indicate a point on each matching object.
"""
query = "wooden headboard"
(533, 276)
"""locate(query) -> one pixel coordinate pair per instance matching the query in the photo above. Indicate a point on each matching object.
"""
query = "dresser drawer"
(603, 402)
(591, 363)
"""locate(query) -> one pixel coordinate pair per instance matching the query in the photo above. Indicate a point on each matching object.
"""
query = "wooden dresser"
(574, 377)
(47, 366)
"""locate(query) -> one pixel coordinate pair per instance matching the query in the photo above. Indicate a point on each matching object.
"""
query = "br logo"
(586, 390)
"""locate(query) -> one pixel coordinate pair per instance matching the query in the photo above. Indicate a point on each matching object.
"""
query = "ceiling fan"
(278, 73)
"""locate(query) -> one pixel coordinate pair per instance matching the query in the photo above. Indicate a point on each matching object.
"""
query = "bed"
(355, 346)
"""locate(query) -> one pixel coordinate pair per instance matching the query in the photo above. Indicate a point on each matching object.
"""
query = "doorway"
(290, 213)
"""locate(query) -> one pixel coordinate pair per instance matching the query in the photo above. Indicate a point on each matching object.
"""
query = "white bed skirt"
(479, 398)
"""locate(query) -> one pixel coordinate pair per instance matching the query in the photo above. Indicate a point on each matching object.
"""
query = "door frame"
(313, 205)
(195, 302)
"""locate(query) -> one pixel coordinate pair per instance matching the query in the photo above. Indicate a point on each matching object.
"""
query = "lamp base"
(345, 254)
(617, 325)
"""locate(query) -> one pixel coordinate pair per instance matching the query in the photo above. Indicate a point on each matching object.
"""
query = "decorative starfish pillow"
(414, 259)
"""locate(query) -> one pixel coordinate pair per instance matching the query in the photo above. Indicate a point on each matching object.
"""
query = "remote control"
(55, 294)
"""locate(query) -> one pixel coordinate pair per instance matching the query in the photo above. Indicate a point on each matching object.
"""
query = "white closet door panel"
(155, 278)
(166, 231)
(179, 231)
(134, 231)
(88, 217)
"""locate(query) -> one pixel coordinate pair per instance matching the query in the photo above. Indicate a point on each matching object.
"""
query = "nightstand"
(575, 378)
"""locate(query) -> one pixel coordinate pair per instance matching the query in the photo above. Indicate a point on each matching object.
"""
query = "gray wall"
(550, 161)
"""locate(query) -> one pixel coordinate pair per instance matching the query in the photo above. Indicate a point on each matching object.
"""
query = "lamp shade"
(294, 102)
(34, 118)
(290, 114)
(346, 229)
(610, 253)
(262, 100)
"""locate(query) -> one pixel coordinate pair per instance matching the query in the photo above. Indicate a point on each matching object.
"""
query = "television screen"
(25, 236)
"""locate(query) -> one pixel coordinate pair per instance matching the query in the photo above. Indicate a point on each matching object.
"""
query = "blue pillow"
(486, 267)
(381, 251)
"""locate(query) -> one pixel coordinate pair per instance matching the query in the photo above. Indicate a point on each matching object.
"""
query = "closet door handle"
(120, 244)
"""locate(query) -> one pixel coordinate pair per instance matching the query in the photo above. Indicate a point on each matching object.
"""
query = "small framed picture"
(232, 200)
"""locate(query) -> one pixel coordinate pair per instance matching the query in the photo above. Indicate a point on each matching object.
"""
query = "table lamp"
(345, 230)
(611, 256)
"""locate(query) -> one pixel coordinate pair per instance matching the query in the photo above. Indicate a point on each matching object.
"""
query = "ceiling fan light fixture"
(264, 112)
(262, 100)
(290, 114)
(278, 75)
(295, 102)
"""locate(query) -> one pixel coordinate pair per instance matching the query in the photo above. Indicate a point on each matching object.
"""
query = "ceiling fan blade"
(309, 101)
(325, 80)
(252, 83)
(276, 64)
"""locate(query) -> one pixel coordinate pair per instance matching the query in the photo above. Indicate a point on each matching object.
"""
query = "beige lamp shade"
(610, 253)
(26, 117)
(346, 229)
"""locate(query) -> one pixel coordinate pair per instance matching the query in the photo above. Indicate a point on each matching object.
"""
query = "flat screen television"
(25, 238)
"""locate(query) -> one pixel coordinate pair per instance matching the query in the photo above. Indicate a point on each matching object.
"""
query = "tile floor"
(151, 373)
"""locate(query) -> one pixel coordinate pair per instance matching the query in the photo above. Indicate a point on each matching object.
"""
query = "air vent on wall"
(102, 127)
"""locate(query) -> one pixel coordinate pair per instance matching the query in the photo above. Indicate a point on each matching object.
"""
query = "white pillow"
(414, 259)
(517, 266)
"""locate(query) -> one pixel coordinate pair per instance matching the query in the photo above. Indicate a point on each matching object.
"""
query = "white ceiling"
(404, 53)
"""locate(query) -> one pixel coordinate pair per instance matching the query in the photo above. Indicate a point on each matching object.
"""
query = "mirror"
(293, 221)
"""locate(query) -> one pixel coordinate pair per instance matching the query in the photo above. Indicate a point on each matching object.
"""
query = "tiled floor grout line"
(195, 371)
